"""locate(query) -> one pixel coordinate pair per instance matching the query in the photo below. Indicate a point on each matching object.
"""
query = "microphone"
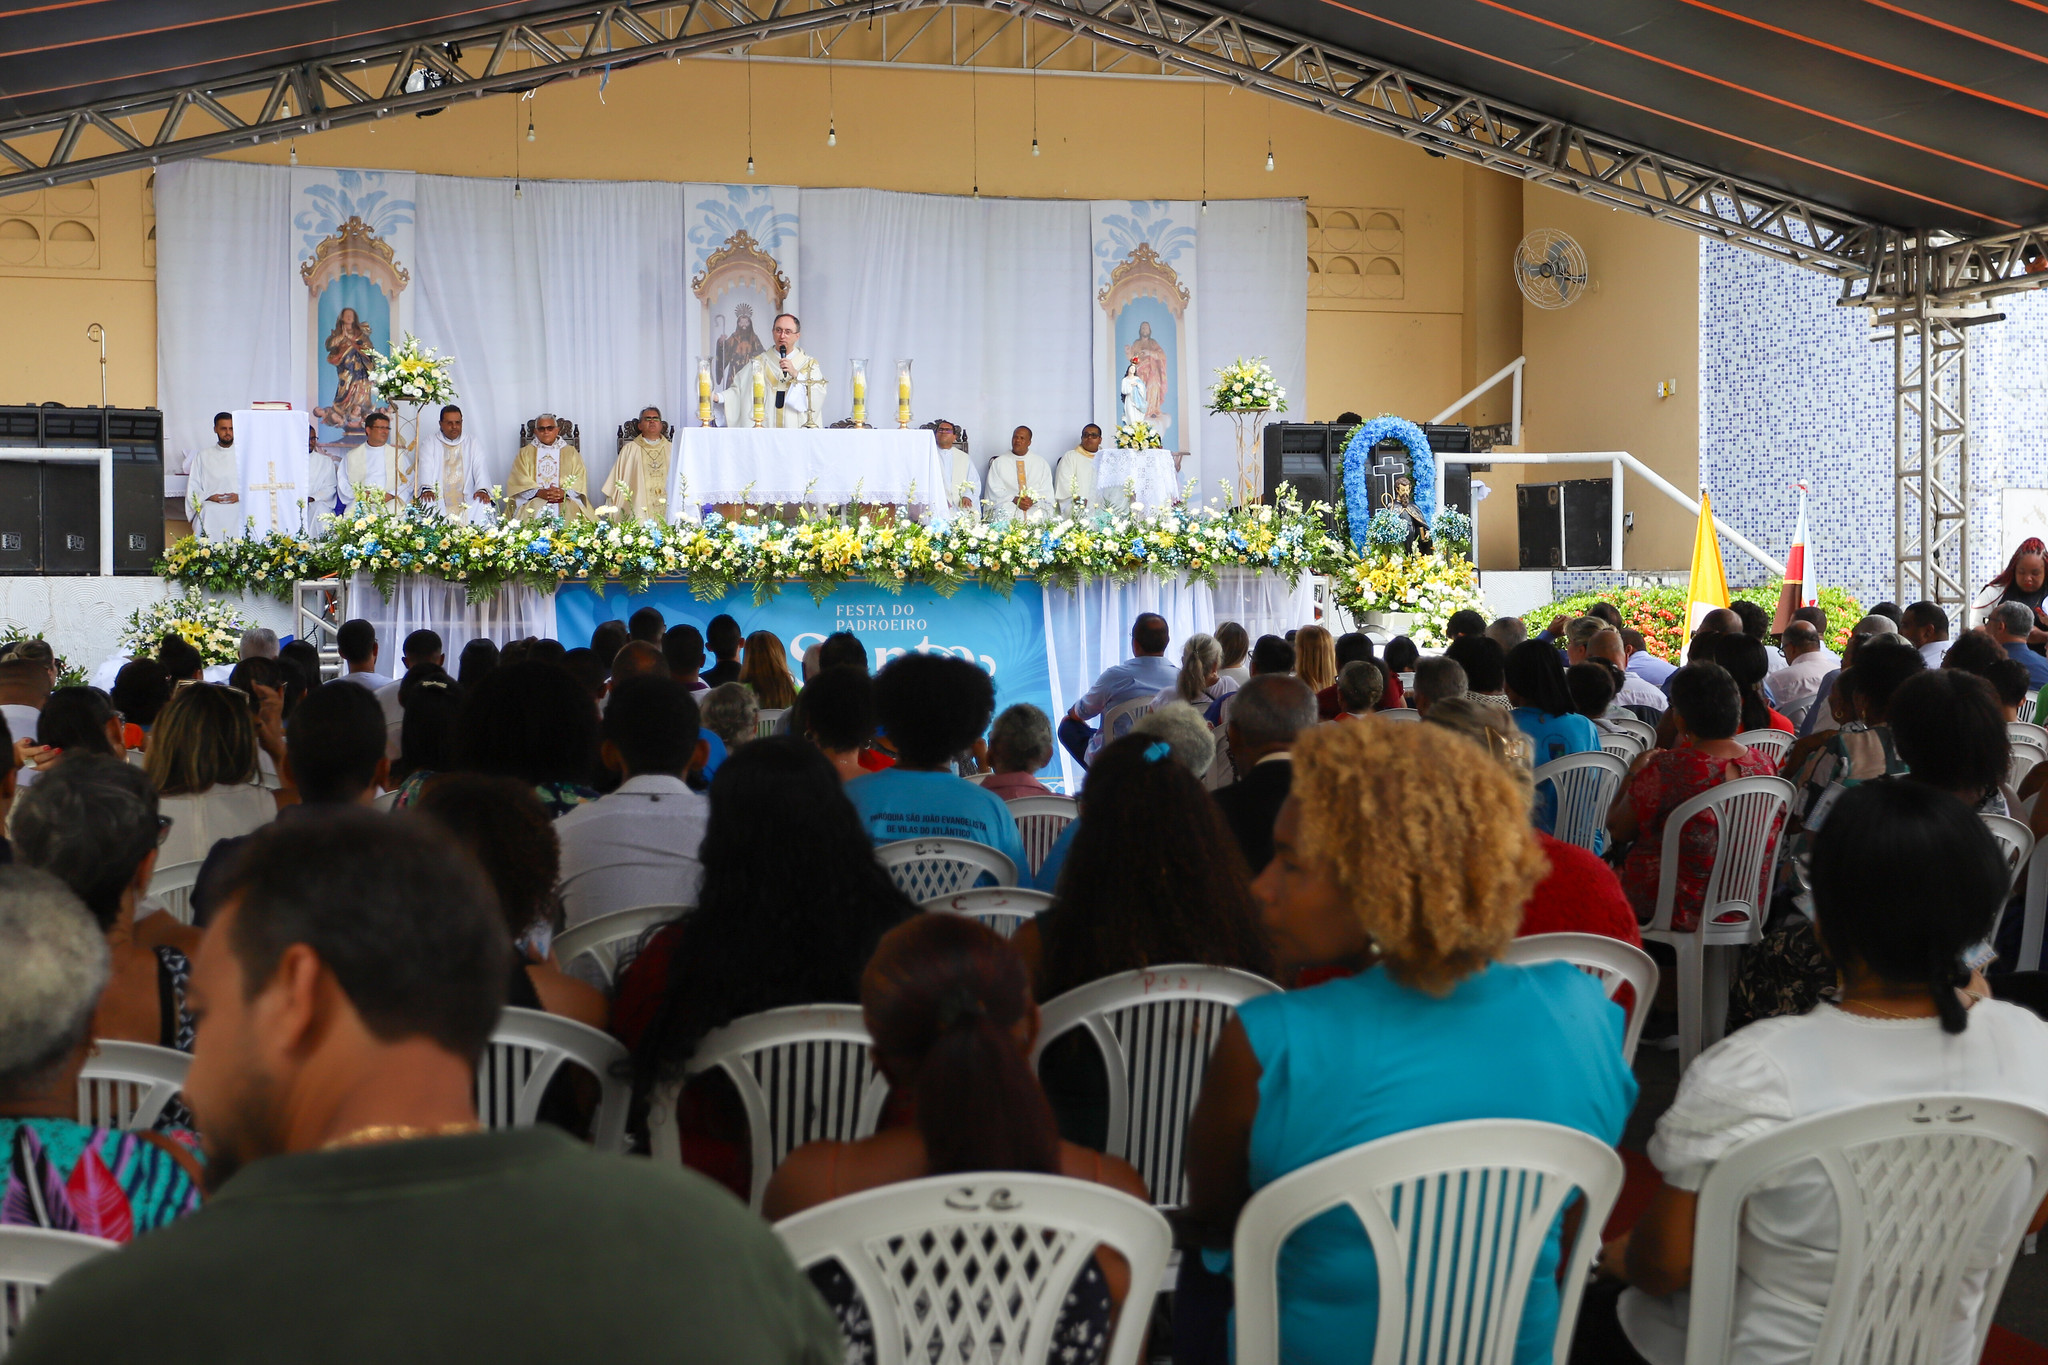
(781, 395)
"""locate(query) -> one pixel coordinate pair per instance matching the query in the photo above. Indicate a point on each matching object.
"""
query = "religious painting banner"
(1146, 356)
(741, 244)
(1003, 635)
(354, 291)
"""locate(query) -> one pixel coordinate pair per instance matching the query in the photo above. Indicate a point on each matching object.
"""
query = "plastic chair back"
(1155, 1028)
(1001, 908)
(1610, 959)
(526, 1051)
(171, 887)
(1118, 720)
(2015, 840)
(1040, 821)
(1586, 785)
(1772, 744)
(386, 800)
(1620, 744)
(1645, 733)
(1399, 713)
(2034, 909)
(2029, 746)
(127, 1085)
(924, 869)
(766, 719)
(803, 1073)
(1916, 1180)
(604, 939)
(30, 1260)
(978, 1267)
(1748, 814)
(1458, 1213)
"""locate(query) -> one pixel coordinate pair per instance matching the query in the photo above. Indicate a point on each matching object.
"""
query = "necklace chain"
(399, 1132)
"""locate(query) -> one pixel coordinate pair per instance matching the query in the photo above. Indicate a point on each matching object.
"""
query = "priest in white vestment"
(372, 467)
(962, 497)
(450, 480)
(213, 485)
(792, 386)
(322, 476)
(548, 479)
(1020, 483)
(638, 483)
(1074, 480)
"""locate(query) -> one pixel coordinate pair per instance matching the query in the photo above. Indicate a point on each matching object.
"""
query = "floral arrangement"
(414, 374)
(1452, 532)
(1137, 436)
(1427, 587)
(1247, 386)
(820, 549)
(270, 565)
(212, 627)
(1659, 613)
(1358, 448)
(1387, 532)
(67, 676)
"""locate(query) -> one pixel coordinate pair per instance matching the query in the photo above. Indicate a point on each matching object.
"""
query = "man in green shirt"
(345, 991)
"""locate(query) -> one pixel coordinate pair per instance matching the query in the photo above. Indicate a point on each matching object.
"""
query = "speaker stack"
(1310, 456)
(49, 510)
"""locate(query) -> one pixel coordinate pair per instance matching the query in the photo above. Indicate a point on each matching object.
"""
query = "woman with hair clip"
(2024, 579)
(1906, 882)
(949, 1006)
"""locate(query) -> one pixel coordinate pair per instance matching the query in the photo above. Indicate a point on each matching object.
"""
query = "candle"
(704, 385)
(903, 388)
(860, 387)
(760, 410)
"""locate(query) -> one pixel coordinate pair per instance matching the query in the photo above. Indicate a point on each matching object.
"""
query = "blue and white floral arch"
(1358, 449)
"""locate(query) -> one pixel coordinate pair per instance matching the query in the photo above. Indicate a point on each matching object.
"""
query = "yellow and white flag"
(1708, 586)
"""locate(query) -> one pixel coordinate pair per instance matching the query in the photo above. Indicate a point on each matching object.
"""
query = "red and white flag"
(1800, 590)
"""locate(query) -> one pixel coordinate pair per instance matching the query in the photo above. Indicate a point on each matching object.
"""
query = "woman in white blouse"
(1906, 881)
(202, 761)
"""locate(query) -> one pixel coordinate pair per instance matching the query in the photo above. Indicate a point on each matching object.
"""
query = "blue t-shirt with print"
(895, 804)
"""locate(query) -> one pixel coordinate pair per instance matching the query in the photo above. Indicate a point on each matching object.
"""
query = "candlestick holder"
(860, 392)
(703, 390)
(903, 394)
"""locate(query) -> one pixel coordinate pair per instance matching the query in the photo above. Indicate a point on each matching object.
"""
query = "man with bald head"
(1266, 715)
(1797, 684)
(1606, 645)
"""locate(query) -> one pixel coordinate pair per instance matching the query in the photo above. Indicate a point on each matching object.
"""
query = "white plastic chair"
(1750, 813)
(1586, 785)
(1622, 745)
(527, 1050)
(977, 1267)
(127, 1085)
(1040, 821)
(2034, 911)
(171, 887)
(386, 801)
(1772, 744)
(1399, 713)
(1118, 720)
(2029, 746)
(604, 938)
(2015, 840)
(1610, 959)
(924, 869)
(1155, 1028)
(1002, 908)
(803, 1073)
(1915, 1179)
(1458, 1213)
(766, 719)
(1645, 733)
(30, 1260)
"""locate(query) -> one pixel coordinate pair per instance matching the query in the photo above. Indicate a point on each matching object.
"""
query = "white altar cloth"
(819, 465)
(1148, 474)
(272, 443)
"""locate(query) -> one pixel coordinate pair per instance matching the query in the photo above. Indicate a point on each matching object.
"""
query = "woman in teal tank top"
(1404, 854)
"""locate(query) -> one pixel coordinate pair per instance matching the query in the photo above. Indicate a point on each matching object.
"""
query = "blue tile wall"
(1792, 388)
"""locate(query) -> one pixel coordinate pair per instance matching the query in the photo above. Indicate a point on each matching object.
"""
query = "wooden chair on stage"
(571, 433)
(629, 429)
(959, 432)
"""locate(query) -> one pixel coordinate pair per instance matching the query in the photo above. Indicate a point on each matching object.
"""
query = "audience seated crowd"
(321, 1187)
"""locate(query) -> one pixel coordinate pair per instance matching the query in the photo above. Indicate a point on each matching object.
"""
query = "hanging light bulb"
(1269, 156)
(750, 163)
(832, 133)
(529, 127)
(295, 154)
(518, 190)
(1034, 146)
(1205, 206)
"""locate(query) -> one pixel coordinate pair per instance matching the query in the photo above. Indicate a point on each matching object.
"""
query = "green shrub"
(1659, 613)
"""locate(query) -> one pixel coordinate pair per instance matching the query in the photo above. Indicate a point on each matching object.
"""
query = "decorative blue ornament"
(1358, 506)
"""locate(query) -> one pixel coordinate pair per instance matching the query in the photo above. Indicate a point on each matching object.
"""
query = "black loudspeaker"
(1310, 456)
(1588, 507)
(137, 438)
(21, 517)
(1539, 526)
(21, 427)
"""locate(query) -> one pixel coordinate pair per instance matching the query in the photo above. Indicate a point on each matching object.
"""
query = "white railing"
(1512, 368)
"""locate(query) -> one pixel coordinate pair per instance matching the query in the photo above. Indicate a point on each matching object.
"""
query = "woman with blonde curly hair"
(1407, 851)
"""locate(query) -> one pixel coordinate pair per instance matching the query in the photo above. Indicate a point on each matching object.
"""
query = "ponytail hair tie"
(1157, 750)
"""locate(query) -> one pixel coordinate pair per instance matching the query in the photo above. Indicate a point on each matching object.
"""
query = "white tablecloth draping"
(765, 465)
(272, 444)
(1148, 474)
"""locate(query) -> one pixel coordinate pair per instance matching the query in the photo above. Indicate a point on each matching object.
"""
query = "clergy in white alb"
(372, 467)
(963, 486)
(790, 384)
(548, 479)
(638, 483)
(1020, 483)
(1074, 480)
(449, 480)
(213, 485)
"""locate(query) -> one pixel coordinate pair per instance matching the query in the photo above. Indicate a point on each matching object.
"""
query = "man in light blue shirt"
(2009, 623)
(1642, 663)
(1146, 674)
(933, 707)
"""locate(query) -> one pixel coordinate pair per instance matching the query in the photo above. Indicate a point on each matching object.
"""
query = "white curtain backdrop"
(515, 613)
(223, 294)
(573, 299)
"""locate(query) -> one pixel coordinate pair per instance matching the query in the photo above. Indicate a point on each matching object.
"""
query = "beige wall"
(1412, 347)
(1591, 382)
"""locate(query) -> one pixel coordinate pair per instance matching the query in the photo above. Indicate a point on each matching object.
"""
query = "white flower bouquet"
(1138, 436)
(415, 374)
(1247, 386)
(212, 627)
